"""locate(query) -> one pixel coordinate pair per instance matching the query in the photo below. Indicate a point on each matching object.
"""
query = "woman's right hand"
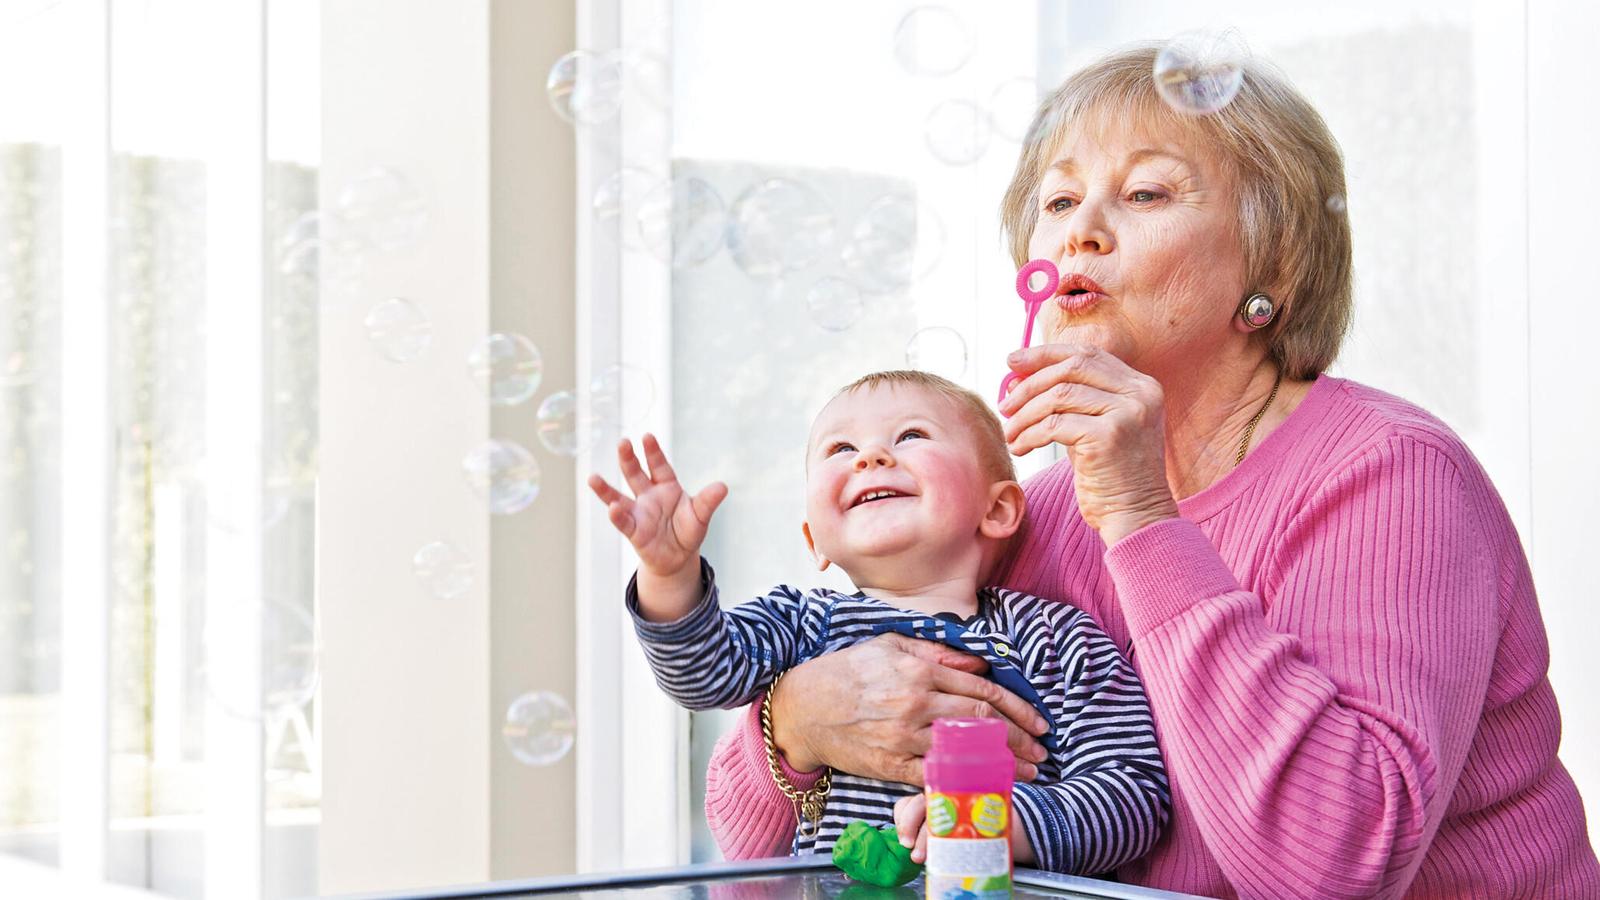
(869, 709)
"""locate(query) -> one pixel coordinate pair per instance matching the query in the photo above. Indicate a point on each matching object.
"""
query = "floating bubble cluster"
(444, 571)
(586, 88)
(539, 728)
(932, 41)
(504, 474)
(1200, 72)
(508, 368)
(398, 330)
(683, 221)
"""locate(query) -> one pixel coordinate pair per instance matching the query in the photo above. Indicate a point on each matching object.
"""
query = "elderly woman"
(1322, 590)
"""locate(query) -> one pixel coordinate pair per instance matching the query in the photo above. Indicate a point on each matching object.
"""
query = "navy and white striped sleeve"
(720, 659)
(1111, 800)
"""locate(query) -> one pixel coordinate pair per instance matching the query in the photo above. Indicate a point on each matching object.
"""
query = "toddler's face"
(892, 469)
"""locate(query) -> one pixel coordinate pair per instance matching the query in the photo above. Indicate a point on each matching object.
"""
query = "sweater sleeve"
(1319, 728)
(1111, 801)
(748, 816)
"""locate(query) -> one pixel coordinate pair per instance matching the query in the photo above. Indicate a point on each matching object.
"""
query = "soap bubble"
(398, 329)
(289, 671)
(300, 247)
(957, 132)
(1200, 72)
(932, 40)
(613, 385)
(586, 88)
(1336, 205)
(505, 474)
(834, 303)
(560, 430)
(381, 208)
(778, 226)
(683, 221)
(443, 569)
(895, 242)
(939, 350)
(1012, 107)
(507, 366)
(628, 181)
(539, 728)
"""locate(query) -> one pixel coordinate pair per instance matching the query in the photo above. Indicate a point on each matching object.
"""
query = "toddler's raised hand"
(663, 522)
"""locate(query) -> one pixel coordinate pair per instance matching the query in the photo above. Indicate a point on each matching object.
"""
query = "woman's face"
(1152, 220)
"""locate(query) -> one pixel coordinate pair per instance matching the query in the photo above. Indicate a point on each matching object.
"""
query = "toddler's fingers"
(621, 518)
(919, 853)
(638, 481)
(909, 813)
(706, 502)
(603, 489)
(660, 469)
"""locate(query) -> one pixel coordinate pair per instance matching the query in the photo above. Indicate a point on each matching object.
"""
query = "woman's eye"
(836, 448)
(1144, 196)
(912, 432)
(1059, 204)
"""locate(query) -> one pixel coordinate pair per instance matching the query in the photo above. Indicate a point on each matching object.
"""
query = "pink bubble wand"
(1033, 299)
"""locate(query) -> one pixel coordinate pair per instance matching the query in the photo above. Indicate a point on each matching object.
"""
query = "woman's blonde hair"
(1290, 177)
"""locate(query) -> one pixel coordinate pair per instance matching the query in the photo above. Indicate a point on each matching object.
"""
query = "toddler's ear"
(811, 545)
(1006, 505)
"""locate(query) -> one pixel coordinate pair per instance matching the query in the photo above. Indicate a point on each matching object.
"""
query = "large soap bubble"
(539, 728)
(834, 303)
(683, 221)
(381, 208)
(932, 40)
(288, 675)
(559, 428)
(398, 330)
(939, 350)
(1200, 72)
(895, 242)
(957, 132)
(444, 571)
(585, 88)
(508, 368)
(778, 226)
(503, 473)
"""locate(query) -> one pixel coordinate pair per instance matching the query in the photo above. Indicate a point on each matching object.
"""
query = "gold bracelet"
(808, 805)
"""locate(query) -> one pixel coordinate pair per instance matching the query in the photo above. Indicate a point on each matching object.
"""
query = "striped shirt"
(1101, 798)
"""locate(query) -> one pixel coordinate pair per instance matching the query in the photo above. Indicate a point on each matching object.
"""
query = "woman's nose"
(1088, 232)
(874, 456)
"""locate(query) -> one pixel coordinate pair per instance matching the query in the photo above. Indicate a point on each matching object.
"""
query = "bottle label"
(969, 846)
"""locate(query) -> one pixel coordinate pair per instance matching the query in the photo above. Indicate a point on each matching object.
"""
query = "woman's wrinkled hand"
(869, 709)
(1111, 419)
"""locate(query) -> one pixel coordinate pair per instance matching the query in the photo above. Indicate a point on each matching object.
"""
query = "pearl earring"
(1257, 310)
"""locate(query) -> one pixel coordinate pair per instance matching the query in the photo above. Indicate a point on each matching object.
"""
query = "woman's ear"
(811, 545)
(1006, 506)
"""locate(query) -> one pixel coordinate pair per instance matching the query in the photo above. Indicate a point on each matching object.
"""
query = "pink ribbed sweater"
(1346, 662)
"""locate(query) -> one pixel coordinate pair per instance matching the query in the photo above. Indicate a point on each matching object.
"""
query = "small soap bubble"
(300, 247)
(382, 209)
(1336, 205)
(1200, 72)
(539, 728)
(932, 40)
(398, 330)
(1012, 107)
(620, 396)
(559, 428)
(683, 221)
(585, 88)
(627, 182)
(508, 368)
(289, 658)
(778, 226)
(957, 132)
(503, 473)
(939, 350)
(834, 303)
(895, 242)
(444, 571)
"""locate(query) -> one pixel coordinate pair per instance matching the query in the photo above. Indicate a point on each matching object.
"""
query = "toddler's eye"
(840, 445)
(911, 432)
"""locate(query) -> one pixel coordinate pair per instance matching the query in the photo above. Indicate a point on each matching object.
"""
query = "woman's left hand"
(1111, 419)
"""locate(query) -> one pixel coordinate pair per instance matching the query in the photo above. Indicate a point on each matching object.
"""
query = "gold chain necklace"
(1251, 429)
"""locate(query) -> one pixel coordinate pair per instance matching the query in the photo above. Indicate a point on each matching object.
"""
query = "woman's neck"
(1208, 414)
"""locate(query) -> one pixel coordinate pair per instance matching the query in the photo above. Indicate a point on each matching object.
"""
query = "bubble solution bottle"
(969, 775)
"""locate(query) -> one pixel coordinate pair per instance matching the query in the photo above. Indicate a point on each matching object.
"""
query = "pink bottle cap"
(968, 737)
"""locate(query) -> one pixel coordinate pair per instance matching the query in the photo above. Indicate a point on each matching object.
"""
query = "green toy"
(874, 855)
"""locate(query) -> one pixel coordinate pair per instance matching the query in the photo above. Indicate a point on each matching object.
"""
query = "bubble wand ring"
(1033, 299)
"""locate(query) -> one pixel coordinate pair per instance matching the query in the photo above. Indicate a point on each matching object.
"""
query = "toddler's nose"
(874, 456)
